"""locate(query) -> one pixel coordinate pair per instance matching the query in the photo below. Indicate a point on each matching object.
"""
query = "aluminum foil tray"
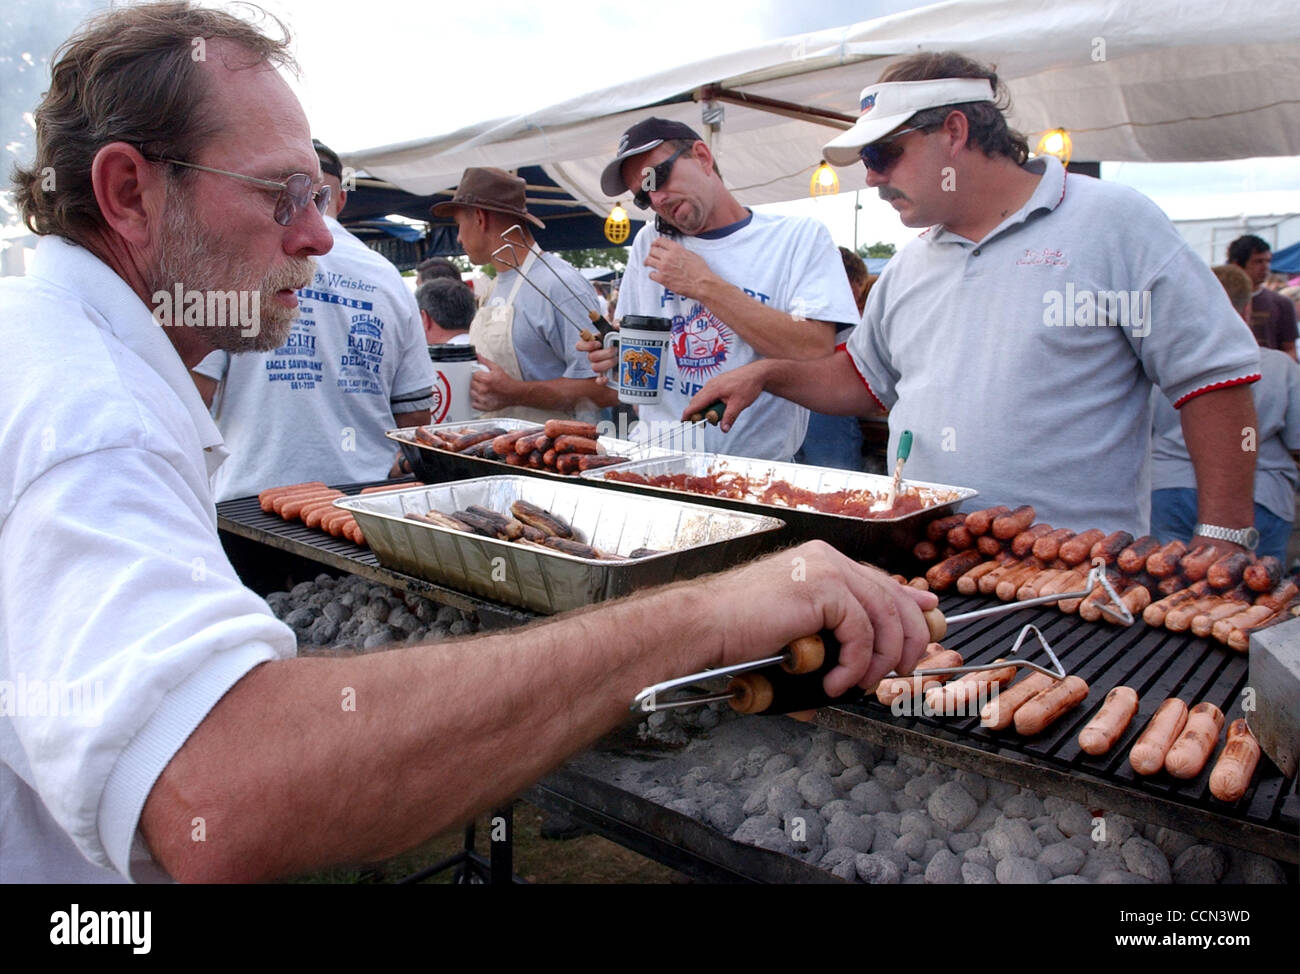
(435, 466)
(693, 539)
(886, 541)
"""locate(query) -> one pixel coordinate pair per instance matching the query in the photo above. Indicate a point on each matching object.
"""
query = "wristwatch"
(1248, 538)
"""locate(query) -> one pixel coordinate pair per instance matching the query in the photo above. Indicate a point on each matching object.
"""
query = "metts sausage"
(555, 428)
(505, 443)
(937, 530)
(1044, 709)
(1193, 747)
(1263, 575)
(1075, 551)
(1134, 558)
(945, 574)
(981, 522)
(1236, 765)
(1154, 614)
(1105, 728)
(1023, 543)
(968, 584)
(989, 546)
(575, 444)
(1148, 754)
(1197, 562)
(1233, 601)
(961, 538)
(925, 551)
(1049, 545)
(1163, 562)
(1109, 548)
(998, 712)
(905, 686)
(1227, 571)
(1009, 525)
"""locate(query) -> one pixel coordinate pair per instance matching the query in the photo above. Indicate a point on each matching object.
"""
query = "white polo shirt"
(1020, 370)
(115, 593)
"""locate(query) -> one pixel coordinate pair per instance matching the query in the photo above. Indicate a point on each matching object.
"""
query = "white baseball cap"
(888, 105)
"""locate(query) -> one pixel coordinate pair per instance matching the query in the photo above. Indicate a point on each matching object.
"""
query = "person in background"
(354, 365)
(1276, 438)
(446, 310)
(435, 268)
(1272, 317)
(533, 370)
(836, 441)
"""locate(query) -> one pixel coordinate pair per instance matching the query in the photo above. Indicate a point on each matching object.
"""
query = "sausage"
(1282, 593)
(527, 444)
(1227, 571)
(1023, 543)
(516, 460)
(1106, 726)
(266, 497)
(1198, 561)
(1168, 586)
(312, 514)
(1148, 754)
(1154, 614)
(1068, 581)
(1238, 637)
(997, 713)
(535, 459)
(968, 584)
(1009, 525)
(956, 699)
(471, 438)
(427, 436)
(988, 584)
(1050, 704)
(1180, 619)
(548, 458)
(1263, 575)
(1231, 603)
(1049, 545)
(1032, 587)
(945, 574)
(505, 443)
(1196, 743)
(384, 488)
(1110, 547)
(1236, 765)
(937, 530)
(576, 444)
(1090, 607)
(288, 505)
(1163, 562)
(961, 538)
(925, 551)
(1136, 598)
(1248, 618)
(905, 686)
(1010, 583)
(1134, 558)
(1075, 551)
(981, 522)
(555, 428)
(567, 463)
(989, 546)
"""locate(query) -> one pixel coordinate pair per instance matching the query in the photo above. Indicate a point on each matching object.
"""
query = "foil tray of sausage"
(685, 540)
(805, 497)
(435, 465)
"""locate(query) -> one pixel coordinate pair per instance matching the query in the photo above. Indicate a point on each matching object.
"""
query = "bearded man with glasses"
(737, 285)
(1018, 336)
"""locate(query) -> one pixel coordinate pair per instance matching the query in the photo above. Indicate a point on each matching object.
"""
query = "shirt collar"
(1047, 196)
(728, 230)
(118, 310)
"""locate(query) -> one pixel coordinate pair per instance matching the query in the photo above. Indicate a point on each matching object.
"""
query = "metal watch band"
(1246, 537)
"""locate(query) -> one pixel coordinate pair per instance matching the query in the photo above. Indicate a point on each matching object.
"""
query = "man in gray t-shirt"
(1019, 336)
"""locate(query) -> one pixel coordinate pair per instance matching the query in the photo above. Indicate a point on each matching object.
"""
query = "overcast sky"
(385, 71)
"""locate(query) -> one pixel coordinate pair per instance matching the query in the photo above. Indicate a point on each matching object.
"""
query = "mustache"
(888, 193)
(294, 277)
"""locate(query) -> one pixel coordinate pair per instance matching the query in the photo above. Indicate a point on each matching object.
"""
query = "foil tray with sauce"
(692, 539)
(885, 540)
(436, 466)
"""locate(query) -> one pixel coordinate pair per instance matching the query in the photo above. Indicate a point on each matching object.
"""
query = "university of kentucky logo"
(700, 343)
(868, 103)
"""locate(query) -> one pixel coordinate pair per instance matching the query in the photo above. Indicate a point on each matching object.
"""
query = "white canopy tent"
(1131, 80)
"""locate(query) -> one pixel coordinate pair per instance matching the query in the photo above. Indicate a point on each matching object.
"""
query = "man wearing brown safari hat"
(525, 339)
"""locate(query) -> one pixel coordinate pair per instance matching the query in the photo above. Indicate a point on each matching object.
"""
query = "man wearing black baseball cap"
(737, 285)
(1019, 336)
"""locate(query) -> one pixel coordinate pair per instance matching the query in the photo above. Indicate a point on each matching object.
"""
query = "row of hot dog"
(560, 446)
(313, 504)
(1003, 552)
(1177, 740)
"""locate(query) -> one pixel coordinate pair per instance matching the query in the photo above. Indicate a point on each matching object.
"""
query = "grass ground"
(589, 859)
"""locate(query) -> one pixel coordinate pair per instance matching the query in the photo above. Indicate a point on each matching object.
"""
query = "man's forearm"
(419, 417)
(831, 385)
(561, 395)
(307, 762)
(772, 333)
(1222, 439)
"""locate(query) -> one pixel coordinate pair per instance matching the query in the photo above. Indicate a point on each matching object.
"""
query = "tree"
(877, 249)
(615, 258)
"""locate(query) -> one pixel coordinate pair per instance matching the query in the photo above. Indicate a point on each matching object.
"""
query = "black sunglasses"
(658, 176)
(880, 155)
(295, 193)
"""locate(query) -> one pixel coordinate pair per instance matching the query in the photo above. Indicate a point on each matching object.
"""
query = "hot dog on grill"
(1075, 550)
(1049, 545)
(1196, 563)
(1023, 543)
(942, 576)
(1110, 547)
(1105, 728)
(1227, 571)
(981, 522)
(1148, 754)
(1263, 575)
(1134, 558)
(1163, 562)
(1193, 747)
(1236, 765)
(1009, 525)
(1044, 709)
(998, 712)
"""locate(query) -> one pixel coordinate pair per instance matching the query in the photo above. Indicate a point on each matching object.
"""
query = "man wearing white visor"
(1019, 335)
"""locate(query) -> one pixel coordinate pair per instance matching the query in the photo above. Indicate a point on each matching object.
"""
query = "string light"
(617, 225)
(1056, 142)
(824, 181)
